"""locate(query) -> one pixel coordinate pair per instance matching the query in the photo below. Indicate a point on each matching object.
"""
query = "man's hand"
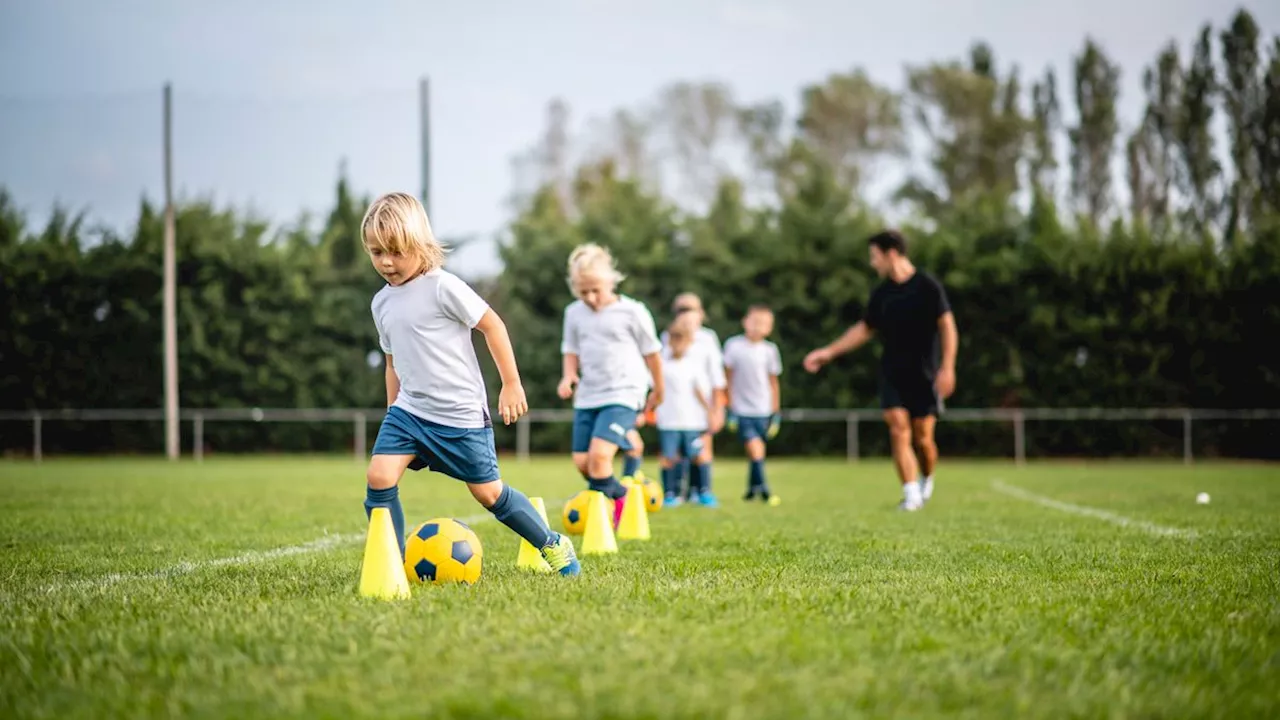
(565, 389)
(946, 382)
(814, 361)
(512, 403)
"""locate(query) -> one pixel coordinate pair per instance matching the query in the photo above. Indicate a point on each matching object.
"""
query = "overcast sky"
(269, 99)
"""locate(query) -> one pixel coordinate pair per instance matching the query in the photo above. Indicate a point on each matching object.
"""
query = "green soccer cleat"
(560, 555)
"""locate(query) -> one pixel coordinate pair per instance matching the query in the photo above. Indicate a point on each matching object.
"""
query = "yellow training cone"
(530, 557)
(382, 572)
(634, 524)
(598, 538)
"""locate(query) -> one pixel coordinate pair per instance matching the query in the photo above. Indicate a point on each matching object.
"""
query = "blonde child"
(438, 410)
(752, 365)
(610, 353)
(685, 412)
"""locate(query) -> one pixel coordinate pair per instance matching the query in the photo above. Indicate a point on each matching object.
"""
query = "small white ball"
(1202, 498)
(257, 414)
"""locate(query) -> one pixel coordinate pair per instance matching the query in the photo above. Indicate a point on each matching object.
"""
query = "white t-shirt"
(682, 382)
(752, 363)
(425, 325)
(611, 345)
(706, 350)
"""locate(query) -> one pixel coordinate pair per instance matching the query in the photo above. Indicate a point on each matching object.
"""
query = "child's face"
(680, 343)
(595, 291)
(395, 268)
(758, 325)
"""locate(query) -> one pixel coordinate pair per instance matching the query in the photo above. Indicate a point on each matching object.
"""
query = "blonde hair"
(397, 223)
(592, 260)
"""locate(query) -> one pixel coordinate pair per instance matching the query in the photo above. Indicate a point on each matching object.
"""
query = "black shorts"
(917, 393)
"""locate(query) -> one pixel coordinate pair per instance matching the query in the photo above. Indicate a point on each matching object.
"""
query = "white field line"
(1121, 520)
(253, 557)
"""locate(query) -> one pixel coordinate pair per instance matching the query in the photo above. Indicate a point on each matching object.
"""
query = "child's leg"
(382, 489)
(633, 457)
(755, 455)
(702, 460)
(513, 509)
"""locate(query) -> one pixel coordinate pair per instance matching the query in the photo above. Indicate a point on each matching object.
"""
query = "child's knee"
(380, 477)
(486, 493)
(666, 462)
(580, 462)
(755, 449)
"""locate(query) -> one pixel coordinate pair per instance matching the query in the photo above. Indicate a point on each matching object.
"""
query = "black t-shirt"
(905, 318)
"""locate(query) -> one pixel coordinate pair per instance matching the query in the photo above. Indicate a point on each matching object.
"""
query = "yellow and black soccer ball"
(443, 551)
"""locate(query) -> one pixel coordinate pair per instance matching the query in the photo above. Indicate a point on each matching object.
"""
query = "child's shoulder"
(734, 340)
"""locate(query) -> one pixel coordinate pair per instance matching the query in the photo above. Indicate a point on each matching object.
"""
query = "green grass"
(831, 605)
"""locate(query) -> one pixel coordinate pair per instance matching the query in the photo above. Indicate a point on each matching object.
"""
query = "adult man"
(910, 312)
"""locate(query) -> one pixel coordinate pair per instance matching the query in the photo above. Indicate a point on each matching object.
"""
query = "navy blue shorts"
(466, 454)
(686, 444)
(751, 427)
(611, 422)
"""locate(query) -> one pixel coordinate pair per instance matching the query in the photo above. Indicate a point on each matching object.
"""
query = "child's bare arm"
(654, 362)
(393, 381)
(568, 376)
(511, 401)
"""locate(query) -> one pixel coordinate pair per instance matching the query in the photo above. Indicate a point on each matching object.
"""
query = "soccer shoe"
(751, 495)
(909, 507)
(560, 555)
(708, 500)
(926, 488)
(672, 500)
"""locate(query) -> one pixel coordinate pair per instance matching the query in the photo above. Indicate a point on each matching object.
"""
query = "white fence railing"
(360, 418)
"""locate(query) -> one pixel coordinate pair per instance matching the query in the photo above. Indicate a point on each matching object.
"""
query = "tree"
(851, 121)
(1200, 167)
(1266, 136)
(700, 119)
(1243, 96)
(1155, 147)
(1045, 125)
(1094, 135)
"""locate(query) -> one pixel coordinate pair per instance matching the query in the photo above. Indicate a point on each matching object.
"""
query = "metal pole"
(172, 444)
(1019, 438)
(37, 437)
(424, 112)
(522, 438)
(851, 437)
(1186, 437)
(197, 440)
(361, 437)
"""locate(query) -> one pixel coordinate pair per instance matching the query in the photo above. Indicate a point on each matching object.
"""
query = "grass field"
(144, 589)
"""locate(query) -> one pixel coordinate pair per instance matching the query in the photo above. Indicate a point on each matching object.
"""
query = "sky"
(271, 97)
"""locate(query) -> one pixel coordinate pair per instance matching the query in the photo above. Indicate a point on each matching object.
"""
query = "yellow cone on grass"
(382, 571)
(598, 538)
(634, 524)
(531, 557)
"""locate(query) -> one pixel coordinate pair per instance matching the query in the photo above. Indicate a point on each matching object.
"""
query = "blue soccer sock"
(669, 486)
(695, 479)
(630, 465)
(704, 478)
(757, 478)
(389, 499)
(610, 486)
(514, 510)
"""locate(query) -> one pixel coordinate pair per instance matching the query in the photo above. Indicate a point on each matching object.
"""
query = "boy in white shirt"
(684, 413)
(753, 365)
(438, 411)
(611, 351)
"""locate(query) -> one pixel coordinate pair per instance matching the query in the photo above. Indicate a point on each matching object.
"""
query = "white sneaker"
(909, 507)
(926, 488)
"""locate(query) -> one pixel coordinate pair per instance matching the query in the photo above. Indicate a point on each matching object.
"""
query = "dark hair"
(888, 240)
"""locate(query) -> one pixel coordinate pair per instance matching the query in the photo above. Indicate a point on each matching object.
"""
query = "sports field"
(138, 588)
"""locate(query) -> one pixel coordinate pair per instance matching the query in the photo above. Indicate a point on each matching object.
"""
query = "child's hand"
(512, 403)
(775, 424)
(655, 399)
(565, 390)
